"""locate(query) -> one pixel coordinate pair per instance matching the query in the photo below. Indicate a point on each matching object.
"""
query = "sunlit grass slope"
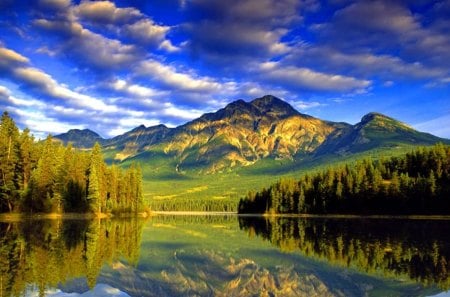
(166, 188)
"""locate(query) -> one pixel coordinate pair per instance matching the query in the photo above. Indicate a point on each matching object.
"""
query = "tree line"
(45, 176)
(196, 204)
(416, 183)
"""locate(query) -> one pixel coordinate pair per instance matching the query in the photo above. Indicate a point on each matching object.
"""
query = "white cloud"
(303, 105)
(66, 28)
(168, 46)
(176, 112)
(44, 83)
(169, 76)
(310, 79)
(46, 51)
(364, 64)
(40, 123)
(89, 48)
(4, 92)
(26, 102)
(8, 57)
(147, 31)
(103, 52)
(379, 15)
(125, 22)
(106, 12)
(135, 89)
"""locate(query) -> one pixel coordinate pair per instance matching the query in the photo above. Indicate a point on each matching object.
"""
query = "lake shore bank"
(352, 216)
(8, 217)
(193, 213)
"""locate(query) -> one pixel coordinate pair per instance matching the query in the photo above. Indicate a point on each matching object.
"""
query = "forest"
(45, 176)
(415, 183)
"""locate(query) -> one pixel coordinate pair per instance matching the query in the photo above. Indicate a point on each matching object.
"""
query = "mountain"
(80, 138)
(244, 133)
(136, 140)
(375, 130)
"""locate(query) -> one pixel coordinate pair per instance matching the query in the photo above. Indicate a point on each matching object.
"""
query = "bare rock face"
(243, 133)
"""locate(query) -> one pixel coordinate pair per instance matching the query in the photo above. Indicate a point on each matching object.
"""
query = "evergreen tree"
(9, 177)
(93, 194)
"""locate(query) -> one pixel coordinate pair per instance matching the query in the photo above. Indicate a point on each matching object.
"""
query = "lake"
(224, 256)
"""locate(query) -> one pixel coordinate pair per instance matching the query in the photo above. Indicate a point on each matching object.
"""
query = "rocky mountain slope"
(243, 133)
(80, 138)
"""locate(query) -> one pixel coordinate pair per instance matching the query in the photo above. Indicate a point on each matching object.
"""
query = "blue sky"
(111, 66)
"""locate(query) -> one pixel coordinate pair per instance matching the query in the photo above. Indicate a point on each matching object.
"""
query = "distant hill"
(375, 130)
(80, 138)
(245, 133)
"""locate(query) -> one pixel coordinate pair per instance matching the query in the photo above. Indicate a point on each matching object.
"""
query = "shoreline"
(353, 216)
(195, 213)
(11, 217)
(324, 216)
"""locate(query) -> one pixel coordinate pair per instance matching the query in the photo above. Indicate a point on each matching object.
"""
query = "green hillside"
(164, 188)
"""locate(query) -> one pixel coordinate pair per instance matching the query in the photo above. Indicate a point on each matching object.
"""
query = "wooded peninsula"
(45, 176)
(417, 183)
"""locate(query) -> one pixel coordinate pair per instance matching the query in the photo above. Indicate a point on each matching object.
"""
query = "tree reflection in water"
(45, 253)
(417, 249)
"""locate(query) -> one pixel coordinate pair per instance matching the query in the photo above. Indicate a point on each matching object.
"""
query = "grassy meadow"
(165, 188)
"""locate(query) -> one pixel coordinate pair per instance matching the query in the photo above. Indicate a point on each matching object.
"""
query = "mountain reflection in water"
(214, 256)
(414, 249)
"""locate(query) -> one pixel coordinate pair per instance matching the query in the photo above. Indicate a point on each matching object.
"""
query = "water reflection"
(212, 256)
(45, 253)
(416, 249)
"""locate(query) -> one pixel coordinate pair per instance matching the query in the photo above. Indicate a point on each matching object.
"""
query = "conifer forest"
(45, 176)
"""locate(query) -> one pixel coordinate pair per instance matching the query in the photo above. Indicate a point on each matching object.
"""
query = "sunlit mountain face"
(112, 66)
(246, 133)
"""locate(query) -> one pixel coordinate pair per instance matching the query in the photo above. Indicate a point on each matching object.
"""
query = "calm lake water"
(224, 256)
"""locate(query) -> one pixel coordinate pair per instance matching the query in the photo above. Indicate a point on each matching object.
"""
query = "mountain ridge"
(243, 133)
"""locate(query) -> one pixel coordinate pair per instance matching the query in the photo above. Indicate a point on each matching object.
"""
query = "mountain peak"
(271, 104)
(234, 109)
(238, 103)
(80, 138)
(374, 115)
(139, 128)
(375, 119)
(85, 132)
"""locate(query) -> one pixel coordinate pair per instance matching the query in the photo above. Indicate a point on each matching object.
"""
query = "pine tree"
(28, 156)
(432, 183)
(93, 195)
(139, 192)
(96, 180)
(9, 180)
